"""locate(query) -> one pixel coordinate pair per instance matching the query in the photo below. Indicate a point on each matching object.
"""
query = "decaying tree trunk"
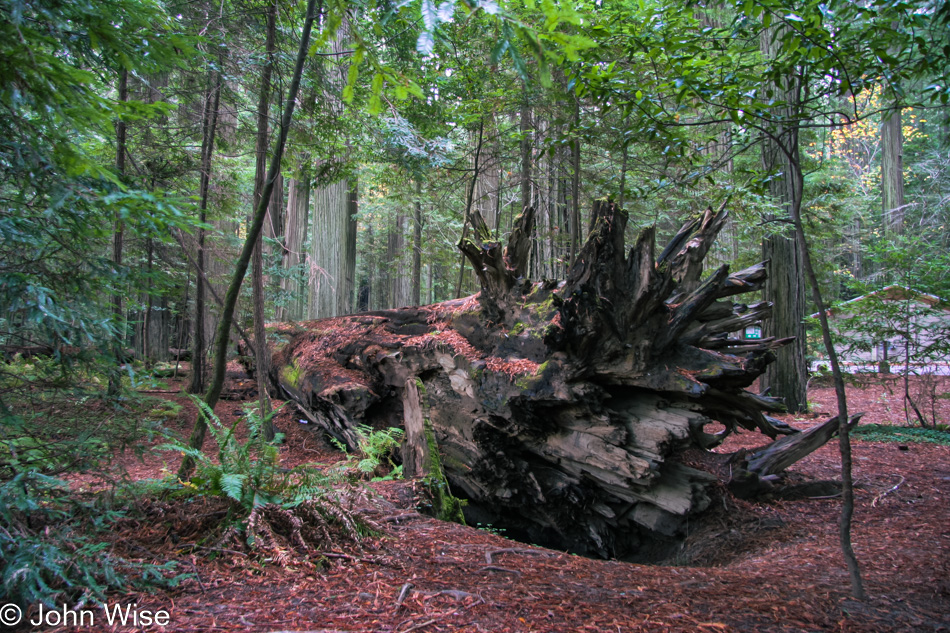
(561, 411)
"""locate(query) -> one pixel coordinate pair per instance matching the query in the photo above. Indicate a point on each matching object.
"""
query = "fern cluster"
(376, 449)
(273, 509)
(246, 472)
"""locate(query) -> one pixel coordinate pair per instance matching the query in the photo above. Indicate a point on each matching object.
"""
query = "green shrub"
(51, 549)
(248, 473)
(54, 544)
(890, 433)
(54, 429)
(376, 449)
(272, 508)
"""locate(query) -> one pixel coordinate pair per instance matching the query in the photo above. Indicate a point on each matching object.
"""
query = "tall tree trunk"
(623, 175)
(576, 185)
(333, 236)
(416, 298)
(548, 168)
(295, 234)
(527, 142)
(785, 288)
(346, 299)
(529, 192)
(488, 187)
(275, 220)
(564, 182)
(182, 320)
(118, 238)
(330, 249)
(261, 359)
(209, 126)
(786, 378)
(147, 318)
(892, 172)
(395, 245)
(234, 288)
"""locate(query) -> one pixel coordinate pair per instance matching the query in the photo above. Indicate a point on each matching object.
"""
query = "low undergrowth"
(375, 453)
(55, 549)
(61, 546)
(270, 510)
(892, 433)
(56, 420)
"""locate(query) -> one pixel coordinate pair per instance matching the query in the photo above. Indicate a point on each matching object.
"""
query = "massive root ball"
(560, 411)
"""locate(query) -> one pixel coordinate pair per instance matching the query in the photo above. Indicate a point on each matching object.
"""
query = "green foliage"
(166, 409)
(411, 149)
(52, 548)
(54, 544)
(27, 452)
(910, 313)
(890, 433)
(271, 509)
(60, 195)
(376, 449)
(248, 472)
(54, 418)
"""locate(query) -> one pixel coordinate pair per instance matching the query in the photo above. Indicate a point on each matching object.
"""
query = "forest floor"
(771, 565)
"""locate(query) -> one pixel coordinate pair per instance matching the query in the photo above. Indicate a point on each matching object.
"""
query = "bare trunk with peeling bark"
(570, 413)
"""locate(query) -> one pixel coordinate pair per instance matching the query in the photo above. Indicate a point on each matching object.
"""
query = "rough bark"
(563, 412)
(329, 291)
(787, 378)
(487, 198)
(892, 173)
(782, 248)
(399, 285)
(527, 139)
(416, 281)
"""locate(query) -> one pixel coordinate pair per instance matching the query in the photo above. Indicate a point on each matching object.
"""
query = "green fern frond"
(232, 484)
(187, 451)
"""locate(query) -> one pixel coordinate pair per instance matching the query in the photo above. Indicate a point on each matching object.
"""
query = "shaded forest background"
(132, 130)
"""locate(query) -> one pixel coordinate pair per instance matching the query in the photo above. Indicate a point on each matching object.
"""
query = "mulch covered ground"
(766, 566)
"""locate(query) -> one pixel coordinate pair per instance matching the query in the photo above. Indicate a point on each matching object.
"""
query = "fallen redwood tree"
(562, 411)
